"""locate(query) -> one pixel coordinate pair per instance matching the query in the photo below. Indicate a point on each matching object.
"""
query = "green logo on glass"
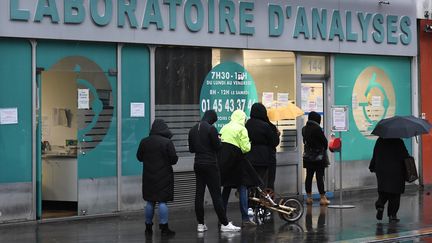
(373, 99)
(226, 88)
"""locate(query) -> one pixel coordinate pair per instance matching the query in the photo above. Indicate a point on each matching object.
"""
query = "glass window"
(182, 72)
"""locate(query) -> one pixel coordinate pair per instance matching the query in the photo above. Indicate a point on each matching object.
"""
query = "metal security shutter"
(180, 119)
(288, 139)
(184, 189)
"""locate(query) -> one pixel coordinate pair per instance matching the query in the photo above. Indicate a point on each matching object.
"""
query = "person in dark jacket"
(205, 143)
(264, 139)
(272, 166)
(315, 140)
(158, 154)
(388, 164)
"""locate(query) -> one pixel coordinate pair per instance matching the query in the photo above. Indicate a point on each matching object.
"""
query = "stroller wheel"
(296, 212)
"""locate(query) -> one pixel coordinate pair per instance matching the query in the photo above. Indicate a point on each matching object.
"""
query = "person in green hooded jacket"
(236, 171)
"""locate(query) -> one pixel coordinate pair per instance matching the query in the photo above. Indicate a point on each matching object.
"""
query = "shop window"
(181, 72)
(179, 76)
(274, 76)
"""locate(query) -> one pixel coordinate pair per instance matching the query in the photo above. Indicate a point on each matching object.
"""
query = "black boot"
(165, 231)
(149, 229)
(393, 219)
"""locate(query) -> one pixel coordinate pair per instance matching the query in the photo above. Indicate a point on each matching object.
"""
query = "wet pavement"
(318, 224)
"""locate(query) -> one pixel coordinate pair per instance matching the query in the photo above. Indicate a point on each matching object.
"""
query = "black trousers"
(207, 175)
(319, 175)
(393, 202)
(271, 176)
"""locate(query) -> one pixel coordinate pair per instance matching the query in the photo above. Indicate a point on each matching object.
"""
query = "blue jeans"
(149, 212)
(243, 200)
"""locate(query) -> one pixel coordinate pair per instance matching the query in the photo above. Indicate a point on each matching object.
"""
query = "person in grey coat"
(388, 165)
(158, 155)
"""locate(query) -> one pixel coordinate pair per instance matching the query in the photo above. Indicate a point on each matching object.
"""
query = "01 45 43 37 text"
(227, 105)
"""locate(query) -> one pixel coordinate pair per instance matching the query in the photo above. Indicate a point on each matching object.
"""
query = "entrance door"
(312, 99)
(79, 127)
(59, 154)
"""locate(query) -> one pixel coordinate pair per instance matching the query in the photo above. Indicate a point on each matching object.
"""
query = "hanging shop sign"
(226, 88)
(331, 26)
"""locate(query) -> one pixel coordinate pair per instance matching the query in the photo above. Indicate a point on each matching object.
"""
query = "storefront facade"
(81, 82)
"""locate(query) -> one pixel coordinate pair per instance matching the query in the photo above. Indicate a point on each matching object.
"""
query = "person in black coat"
(388, 164)
(157, 153)
(272, 166)
(204, 141)
(315, 140)
(264, 139)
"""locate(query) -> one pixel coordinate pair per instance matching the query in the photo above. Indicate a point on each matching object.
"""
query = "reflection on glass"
(180, 73)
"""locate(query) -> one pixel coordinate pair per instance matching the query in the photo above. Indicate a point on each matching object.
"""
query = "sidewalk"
(318, 224)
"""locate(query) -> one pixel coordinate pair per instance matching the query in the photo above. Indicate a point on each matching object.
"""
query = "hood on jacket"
(314, 116)
(258, 111)
(159, 127)
(210, 116)
(239, 117)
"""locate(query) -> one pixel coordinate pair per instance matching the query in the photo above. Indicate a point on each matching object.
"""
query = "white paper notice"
(267, 99)
(339, 119)
(376, 101)
(83, 99)
(312, 105)
(8, 116)
(282, 98)
(137, 109)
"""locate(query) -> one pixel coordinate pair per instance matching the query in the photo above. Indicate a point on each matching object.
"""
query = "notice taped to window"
(8, 116)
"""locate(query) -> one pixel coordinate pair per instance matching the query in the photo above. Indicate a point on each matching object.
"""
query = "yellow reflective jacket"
(235, 132)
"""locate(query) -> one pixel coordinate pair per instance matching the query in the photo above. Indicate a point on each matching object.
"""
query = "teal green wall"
(101, 161)
(135, 88)
(16, 92)
(347, 69)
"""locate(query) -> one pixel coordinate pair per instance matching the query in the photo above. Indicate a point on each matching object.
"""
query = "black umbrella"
(401, 127)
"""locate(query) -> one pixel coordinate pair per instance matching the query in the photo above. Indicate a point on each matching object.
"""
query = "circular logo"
(226, 88)
(92, 120)
(373, 99)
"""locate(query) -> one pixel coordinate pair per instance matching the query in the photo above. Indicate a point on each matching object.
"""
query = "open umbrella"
(288, 111)
(401, 127)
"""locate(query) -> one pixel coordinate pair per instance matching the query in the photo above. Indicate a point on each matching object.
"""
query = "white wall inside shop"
(59, 92)
(276, 79)
(272, 71)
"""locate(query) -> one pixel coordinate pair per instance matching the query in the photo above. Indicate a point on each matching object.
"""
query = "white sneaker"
(202, 227)
(229, 228)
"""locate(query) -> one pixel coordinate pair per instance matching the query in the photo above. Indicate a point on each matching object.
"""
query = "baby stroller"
(263, 201)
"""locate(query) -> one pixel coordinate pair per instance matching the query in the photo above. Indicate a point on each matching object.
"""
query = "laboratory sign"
(330, 26)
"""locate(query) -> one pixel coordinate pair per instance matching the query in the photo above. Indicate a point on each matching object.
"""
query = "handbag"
(410, 169)
(313, 154)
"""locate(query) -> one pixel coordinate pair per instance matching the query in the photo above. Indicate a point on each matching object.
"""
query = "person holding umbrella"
(388, 165)
(388, 160)
(264, 138)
